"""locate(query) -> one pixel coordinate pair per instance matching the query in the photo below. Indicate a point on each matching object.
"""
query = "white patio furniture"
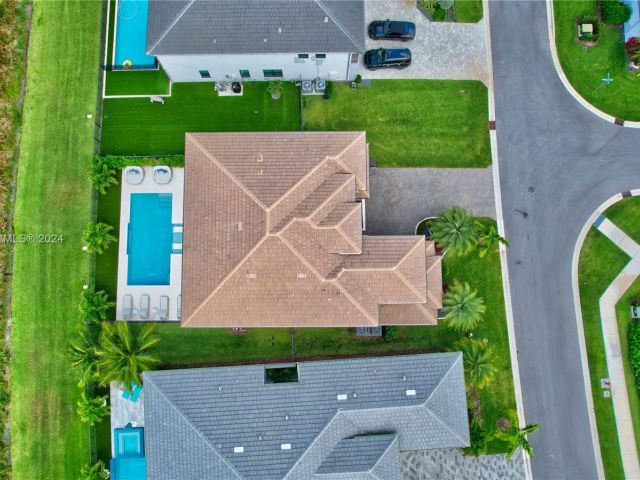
(179, 305)
(161, 175)
(134, 175)
(164, 307)
(144, 306)
(127, 307)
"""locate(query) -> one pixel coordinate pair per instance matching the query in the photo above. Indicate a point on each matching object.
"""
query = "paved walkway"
(608, 302)
(444, 50)
(401, 197)
(450, 464)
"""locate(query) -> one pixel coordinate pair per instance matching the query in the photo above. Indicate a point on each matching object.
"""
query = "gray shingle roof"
(357, 454)
(195, 418)
(191, 27)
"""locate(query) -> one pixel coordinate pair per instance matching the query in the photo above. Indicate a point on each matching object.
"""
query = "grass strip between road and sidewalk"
(53, 197)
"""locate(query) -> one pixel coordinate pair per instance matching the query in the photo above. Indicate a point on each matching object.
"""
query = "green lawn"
(411, 123)
(137, 82)
(53, 196)
(135, 126)
(468, 11)
(183, 346)
(586, 67)
(626, 215)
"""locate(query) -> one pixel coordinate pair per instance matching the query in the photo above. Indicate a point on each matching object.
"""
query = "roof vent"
(215, 40)
(219, 388)
(265, 40)
(279, 29)
(302, 275)
(239, 226)
(326, 19)
(285, 446)
(411, 393)
(286, 417)
(342, 396)
(238, 449)
(404, 377)
(355, 395)
(260, 437)
(252, 276)
(260, 157)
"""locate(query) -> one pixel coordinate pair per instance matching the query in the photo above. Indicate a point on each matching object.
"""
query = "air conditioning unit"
(306, 87)
(319, 85)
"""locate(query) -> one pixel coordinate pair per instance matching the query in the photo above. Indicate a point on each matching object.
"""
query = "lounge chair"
(144, 306)
(164, 307)
(179, 305)
(127, 307)
(134, 175)
(161, 175)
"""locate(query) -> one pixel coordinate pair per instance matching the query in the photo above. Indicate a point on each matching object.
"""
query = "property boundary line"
(506, 287)
(565, 81)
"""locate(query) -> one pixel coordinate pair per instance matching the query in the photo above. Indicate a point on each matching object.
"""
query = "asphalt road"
(558, 163)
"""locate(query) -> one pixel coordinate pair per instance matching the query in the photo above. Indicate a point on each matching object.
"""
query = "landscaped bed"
(411, 123)
(586, 67)
(135, 126)
(600, 262)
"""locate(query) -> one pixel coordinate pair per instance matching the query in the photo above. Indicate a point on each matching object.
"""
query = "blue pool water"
(131, 35)
(150, 239)
(129, 462)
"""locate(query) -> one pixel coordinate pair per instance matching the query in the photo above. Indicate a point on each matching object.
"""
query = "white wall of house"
(186, 68)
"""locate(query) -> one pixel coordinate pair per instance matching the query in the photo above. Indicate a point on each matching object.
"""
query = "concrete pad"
(617, 236)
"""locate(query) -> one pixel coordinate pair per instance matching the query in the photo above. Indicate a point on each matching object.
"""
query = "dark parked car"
(390, 30)
(387, 58)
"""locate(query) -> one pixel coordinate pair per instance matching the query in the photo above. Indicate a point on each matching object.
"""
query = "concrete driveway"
(440, 50)
(401, 197)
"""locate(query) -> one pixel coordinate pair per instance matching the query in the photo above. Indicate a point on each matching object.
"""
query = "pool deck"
(124, 411)
(175, 187)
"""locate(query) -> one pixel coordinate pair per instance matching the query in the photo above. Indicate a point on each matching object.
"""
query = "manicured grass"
(183, 346)
(106, 277)
(135, 126)
(137, 82)
(53, 196)
(468, 11)
(626, 215)
(411, 123)
(600, 263)
(586, 67)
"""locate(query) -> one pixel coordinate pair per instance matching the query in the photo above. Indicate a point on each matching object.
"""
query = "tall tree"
(84, 356)
(95, 305)
(454, 231)
(516, 437)
(479, 361)
(92, 410)
(123, 355)
(102, 176)
(97, 237)
(488, 238)
(463, 307)
(97, 471)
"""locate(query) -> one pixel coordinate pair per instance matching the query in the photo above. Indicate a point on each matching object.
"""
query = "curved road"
(572, 161)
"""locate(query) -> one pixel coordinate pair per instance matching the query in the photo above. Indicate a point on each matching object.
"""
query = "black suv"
(387, 58)
(391, 30)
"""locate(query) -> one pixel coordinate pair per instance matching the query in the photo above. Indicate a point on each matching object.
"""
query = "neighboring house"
(273, 237)
(632, 26)
(344, 419)
(202, 40)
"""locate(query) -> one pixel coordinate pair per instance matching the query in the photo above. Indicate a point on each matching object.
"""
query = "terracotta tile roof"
(273, 237)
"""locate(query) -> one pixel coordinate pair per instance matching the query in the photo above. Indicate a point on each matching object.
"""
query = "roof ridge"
(335, 20)
(344, 234)
(226, 171)
(193, 427)
(187, 320)
(405, 280)
(395, 439)
(170, 27)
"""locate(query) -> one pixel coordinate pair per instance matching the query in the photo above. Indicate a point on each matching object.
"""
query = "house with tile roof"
(231, 40)
(273, 237)
(329, 420)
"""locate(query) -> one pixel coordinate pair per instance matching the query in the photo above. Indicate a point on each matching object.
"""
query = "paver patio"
(447, 50)
(401, 197)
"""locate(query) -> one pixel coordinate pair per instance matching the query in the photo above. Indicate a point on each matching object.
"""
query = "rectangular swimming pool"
(129, 462)
(131, 35)
(149, 240)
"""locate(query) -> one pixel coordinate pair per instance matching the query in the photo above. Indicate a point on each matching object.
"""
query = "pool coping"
(176, 188)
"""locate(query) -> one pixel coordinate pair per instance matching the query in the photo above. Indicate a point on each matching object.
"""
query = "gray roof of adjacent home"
(195, 419)
(205, 27)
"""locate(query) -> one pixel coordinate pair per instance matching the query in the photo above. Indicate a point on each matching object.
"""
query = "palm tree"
(91, 410)
(480, 437)
(516, 437)
(463, 307)
(84, 356)
(124, 355)
(454, 231)
(489, 238)
(95, 305)
(97, 237)
(102, 177)
(97, 471)
(478, 359)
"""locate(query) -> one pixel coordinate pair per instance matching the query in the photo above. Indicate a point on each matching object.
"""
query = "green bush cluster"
(328, 91)
(593, 20)
(614, 12)
(634, 350)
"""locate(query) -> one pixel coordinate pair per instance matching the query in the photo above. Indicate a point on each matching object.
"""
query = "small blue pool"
(150, 237)
(128, 462)
(131, 35)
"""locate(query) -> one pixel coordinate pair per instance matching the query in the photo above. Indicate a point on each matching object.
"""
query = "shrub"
(428, 5)
(593, 20)
(440, 14)
(390, 333)
(358, 79)
(634, 350)
(462, 307)
(454, 231)
(97, 471)
(615, 12)
(632, 44)
(118, 162)
(97, 237)
(274, 88)
(92, 410)
(328, 91)
(95, 306)
(445, 4)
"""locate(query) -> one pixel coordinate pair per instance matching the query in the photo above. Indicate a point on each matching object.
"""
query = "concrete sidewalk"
(608, 301)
